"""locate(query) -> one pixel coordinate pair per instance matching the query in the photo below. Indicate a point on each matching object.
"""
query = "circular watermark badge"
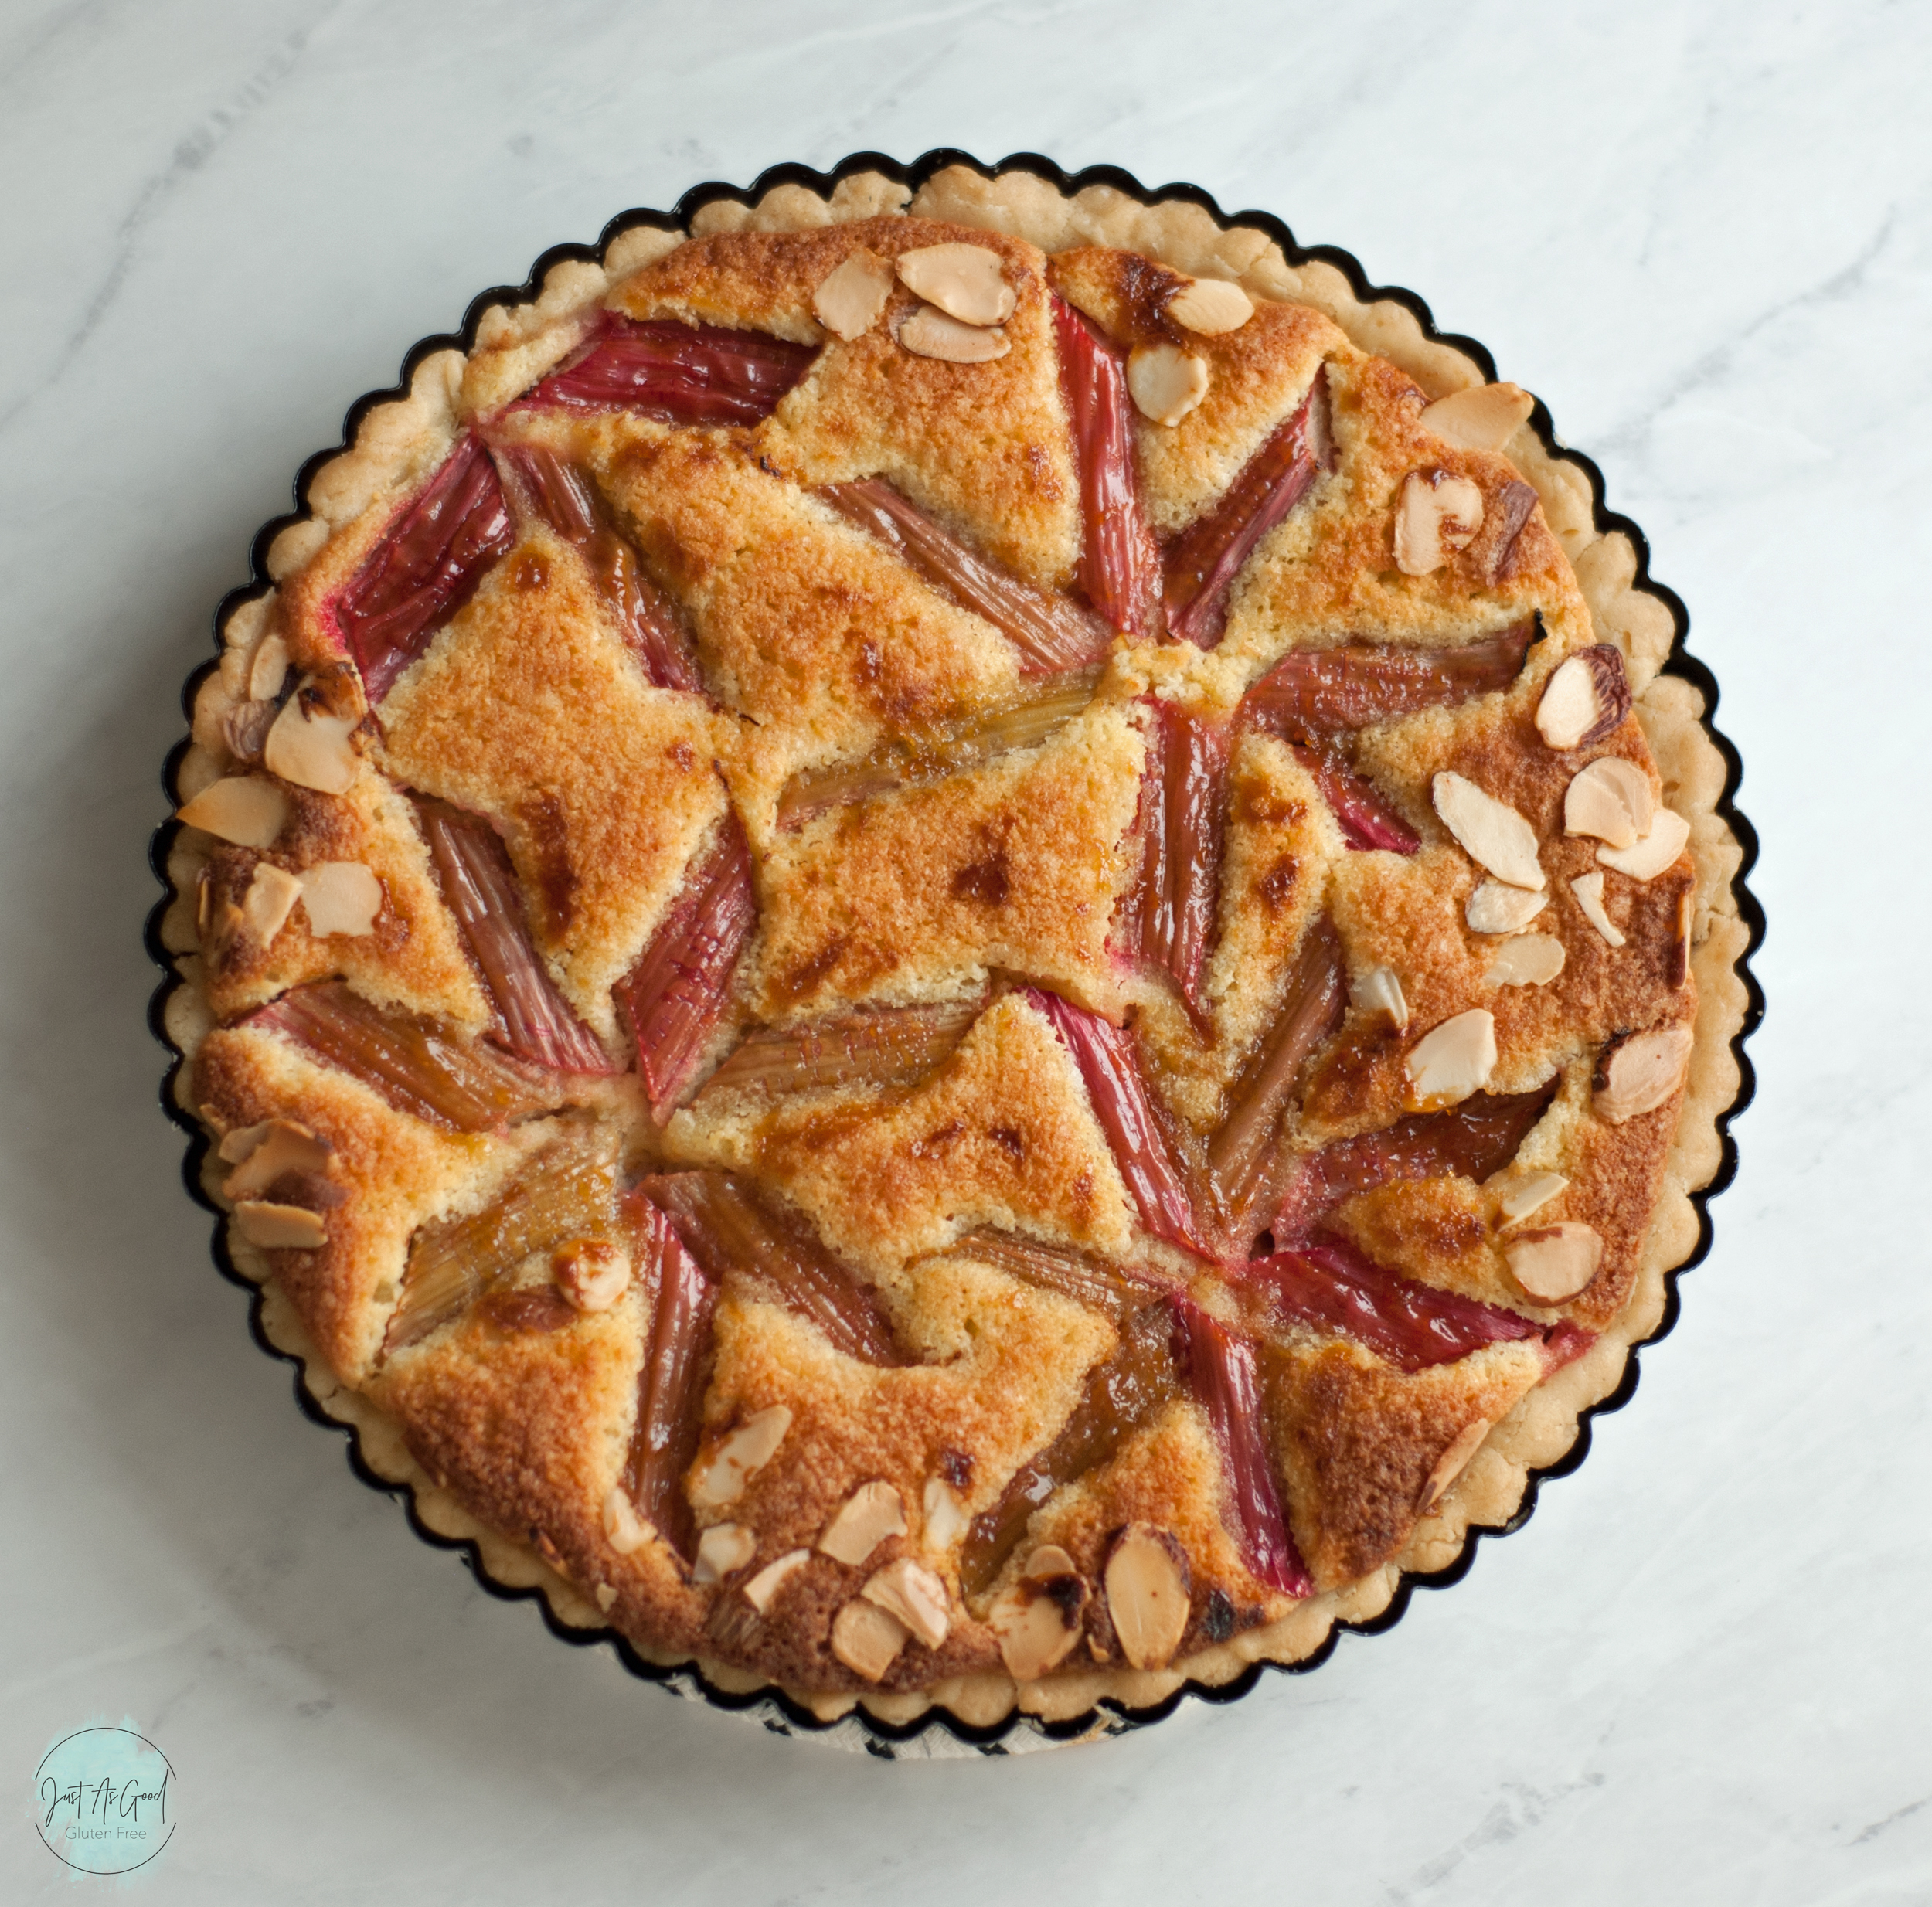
(104, 1800)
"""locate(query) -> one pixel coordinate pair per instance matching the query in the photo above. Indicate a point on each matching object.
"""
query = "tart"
(955, 950)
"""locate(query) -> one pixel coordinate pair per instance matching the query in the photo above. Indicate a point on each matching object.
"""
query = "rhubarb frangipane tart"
(955, 952)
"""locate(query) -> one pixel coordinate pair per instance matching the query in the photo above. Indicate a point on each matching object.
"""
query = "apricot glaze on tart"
(947, 962)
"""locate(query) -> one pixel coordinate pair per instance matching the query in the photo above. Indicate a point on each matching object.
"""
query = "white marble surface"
(1703, 232)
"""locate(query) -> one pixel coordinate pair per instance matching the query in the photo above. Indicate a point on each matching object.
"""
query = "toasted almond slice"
(928, 332)
(1453, 1462)
(271, 897)
(237, 1145)
(1657, 850)
(848, 303)
(909, 1592)
(1166, 382)
(1210, 307)
(593, 1273)
(1496, 907)
(966, 282)
(1148, 1585)
(1612, 800)
(1435, 514)
(872, 1513)
(946, 1521)
(1491, 832)
(1048, 1560)
(722, 1478)
(1585, 697)
(1484, 417)
(341, 897)
(722, 1548)
(1588, 891)
(1527, 960)
(1380, 991)
(607, 1597)
(763, 1588)
(1520, 1197)
(284, 1146)
(248, 809)
(1452, 1061)
(1037, 1622)
(268, 669)
(1641, 1072)
(866, 1638)
(312, 751)
(1556, 1261)
(283, 1227)
(625, 1530)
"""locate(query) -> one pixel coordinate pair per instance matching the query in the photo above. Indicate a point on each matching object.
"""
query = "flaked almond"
(1496, 907)
(1048, 1560)
(1527, 960)
(341, 897)
(1658, 848)
(607, 1597)
(1554, 1262)
(866, 1638)
(848, 303)
(1641, 1072)
(246, 809)
(1588, 891)
(1380, 991)
(872, 1513)
(593, 1273)
(1453, 1462)
(236, 1145)
(1166, 382)
(245, 728)
(1530, 1192)
(1436, 514)
(1611, 800)
(946, 1521)
(1491, 832)
(270, 898)
(284, 1147)
(624, 1529)
(1483, 418)
(1586, 697)
(763, 1588)
(966, 282)
(1210, 307)
(312, 751)
(283, 1227)
(1452, 1061)
(1037, 1622)
(722, 1548)
(1148, 1585)
(930, 333)
(268, 669)
(913, 1596)
(721, 1479)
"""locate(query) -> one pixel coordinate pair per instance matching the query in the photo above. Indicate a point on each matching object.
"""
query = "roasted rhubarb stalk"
(1121, 563)
(1122, 1393)
(1313, 694)
(481, 887)
(679, 373)
(425, 568)
(1183, 788)
(567, 1190)
(666, 1437)
(1118, 1290)
(1240, 1153)
(1203, 561)
(741, 1243)
(1142, 1149)
(1331, 1288)
(418, 1066)
(675, 995)
(1025, 721)
(1365, 819)
(1221, 1375)
(1051, 633)
(546, 489)
(867, 1046)
(1473, 1140)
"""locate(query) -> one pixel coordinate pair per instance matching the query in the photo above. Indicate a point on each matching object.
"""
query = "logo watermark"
(103, 1801)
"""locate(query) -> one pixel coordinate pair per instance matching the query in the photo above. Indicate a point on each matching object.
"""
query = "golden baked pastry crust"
(817, 646)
